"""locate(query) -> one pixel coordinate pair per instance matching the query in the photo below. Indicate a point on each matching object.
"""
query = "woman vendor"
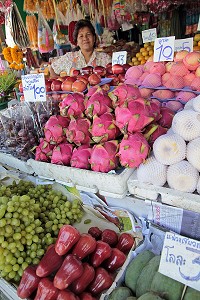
(85, 38)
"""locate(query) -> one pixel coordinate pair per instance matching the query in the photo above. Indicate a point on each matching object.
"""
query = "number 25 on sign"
(164, 49)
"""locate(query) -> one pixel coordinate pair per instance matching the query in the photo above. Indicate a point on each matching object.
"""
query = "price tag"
(126, 26)
(149, 35)
(34, 87)
(119, 58)
(180, 259)
(164, 49)
(183, 44)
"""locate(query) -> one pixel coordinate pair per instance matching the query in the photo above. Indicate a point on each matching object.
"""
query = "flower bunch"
(14, 56)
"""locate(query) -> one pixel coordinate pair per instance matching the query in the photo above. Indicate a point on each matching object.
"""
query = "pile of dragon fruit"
(103, 131)
(176, 155)
(173, 83)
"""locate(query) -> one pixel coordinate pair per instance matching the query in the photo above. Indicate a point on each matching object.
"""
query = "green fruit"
(170, 288)
(191, 294)
(120, 293)
(131, 298)
(135, 267)
(146, 277)
(150, 296)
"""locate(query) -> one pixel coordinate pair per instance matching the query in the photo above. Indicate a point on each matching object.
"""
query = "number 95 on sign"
(164, 49)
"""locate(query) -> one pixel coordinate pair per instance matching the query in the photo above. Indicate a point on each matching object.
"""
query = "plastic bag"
(60, 30)
(45, 35)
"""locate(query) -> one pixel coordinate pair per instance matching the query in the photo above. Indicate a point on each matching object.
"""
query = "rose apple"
(78, 86)
(67, 85)
(56, 85)
(99, 70)
(87, 70)
(117, 69)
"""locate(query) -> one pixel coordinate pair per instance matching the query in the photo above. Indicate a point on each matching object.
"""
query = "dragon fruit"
(92, 90)
(174, 82)
(104, 129)
(78, 131)
(184, 97)
(188, 79)
(135, 116)
(98, 104)
(152, 80)
(44, 151)
(158, 68)
(124, 93)
(163, 94)
(103, 157)
(80, 157)
(55, 128)
(72, 105)
(133, 72)
(62, 154)
(179, 69)
(133, 150)
(153, 131)
(166, 117)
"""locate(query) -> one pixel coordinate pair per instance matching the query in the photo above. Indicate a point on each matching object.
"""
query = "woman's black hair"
(81, 24)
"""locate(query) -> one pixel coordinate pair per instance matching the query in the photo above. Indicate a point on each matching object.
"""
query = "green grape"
(24, 265)
(17, 253)
(2, 222)
(1, 239)
(23, 254)
(35, 239)
(28, 260)
(29, 236)
(4, 273)
(33, 254)
(36, 261)
(17, 278)
(20, 271)
(16, 267)
(48, 224)
(8, 215)
(55, 222)
(13, 261)
(20, 260)
(8, 268)
(9, 257)
(28, 242)
(54, 227)
(12, 274)
(20, 247)
(34, 247)
(39, 230)
(17, 236)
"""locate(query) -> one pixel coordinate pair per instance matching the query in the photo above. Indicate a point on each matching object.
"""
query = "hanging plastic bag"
(98, 27)
(45, 35)
(60, 30)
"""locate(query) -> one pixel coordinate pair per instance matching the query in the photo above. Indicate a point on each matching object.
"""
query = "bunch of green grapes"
(30, 219)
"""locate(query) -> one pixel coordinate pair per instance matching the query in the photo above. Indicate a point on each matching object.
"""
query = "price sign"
(149, 35)
(183, 44)
(126, 26)
(198, 27)
(34, 87)
(164, 49)
(119, 58)
(180, 259)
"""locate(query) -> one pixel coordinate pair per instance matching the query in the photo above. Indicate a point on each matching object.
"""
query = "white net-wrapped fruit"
(189, 105)
(196, 103)
(152, 171)
(169, 149)
(193, 153)
(186, 123)
(182, 176)
(198, 186)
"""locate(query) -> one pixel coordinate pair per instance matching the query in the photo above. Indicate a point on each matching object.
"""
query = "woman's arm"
(51, 72)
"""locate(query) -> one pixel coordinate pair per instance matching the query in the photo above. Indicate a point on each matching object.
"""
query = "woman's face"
(85, 39)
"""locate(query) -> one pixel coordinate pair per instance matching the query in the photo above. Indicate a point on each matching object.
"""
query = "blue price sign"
(183, 44)
(34, 87)
(149, 35)
(180, 259)
(119, 58)
(164, 49)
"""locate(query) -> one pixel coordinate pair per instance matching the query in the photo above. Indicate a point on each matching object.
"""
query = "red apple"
(67, 85)
(108, 71)
(87, 70)
(74, 72)
(82, 78)
(121, 77)
(61, 79)
(56, 85)
(109, 65)
(71, 78)
(78, 86)
(101, 71)
(117, 69)
(48, 85)
(94, 79)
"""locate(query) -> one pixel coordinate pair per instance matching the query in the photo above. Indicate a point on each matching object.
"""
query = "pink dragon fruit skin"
(72, 105)
(92, 90)
(80, 157)
(44, 151)
(62, 154)
(153, 131)
(133, 150)
(184, 97)
(98, 104)
(103, 157)
(104, 129)
(124, 93)
(152, 81)
(167, 117)
(78, 131)
(54, 129)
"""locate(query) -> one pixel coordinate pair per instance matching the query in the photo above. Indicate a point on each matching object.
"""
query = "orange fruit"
(149, 48)
(142, 49)
(150, 52)
(146, 57)
(138, 54)
(196, 48)
(146, 45)
(143, 61)
(152, 43)
(140, 58)
(145, 53)
(136, 63)
(134, 59)
(199, 43)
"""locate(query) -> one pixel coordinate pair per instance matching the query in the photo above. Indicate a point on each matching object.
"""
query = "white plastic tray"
(13, 162)
(113, 185)
(168, 196)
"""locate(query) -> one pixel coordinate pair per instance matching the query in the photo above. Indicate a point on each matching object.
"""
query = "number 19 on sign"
(164, 49)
